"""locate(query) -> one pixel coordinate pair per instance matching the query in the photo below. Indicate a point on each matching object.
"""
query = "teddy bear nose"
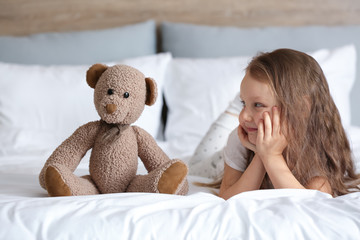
(110, 108)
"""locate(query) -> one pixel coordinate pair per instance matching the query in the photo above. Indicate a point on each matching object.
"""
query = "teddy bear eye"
(110, 91)
(126, 95)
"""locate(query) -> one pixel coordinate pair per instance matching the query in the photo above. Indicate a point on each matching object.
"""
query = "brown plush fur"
(151, 92)
(94, 73)
(120, 94)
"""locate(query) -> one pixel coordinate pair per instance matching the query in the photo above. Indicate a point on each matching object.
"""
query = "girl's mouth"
(250, 129)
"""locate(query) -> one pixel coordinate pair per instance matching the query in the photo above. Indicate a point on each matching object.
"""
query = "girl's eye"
(258, 105)
(242, 103)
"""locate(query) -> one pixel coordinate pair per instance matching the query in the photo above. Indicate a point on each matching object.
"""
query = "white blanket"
(27, 213)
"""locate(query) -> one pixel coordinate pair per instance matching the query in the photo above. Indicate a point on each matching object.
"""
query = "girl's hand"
(270, 141)
(245, 140)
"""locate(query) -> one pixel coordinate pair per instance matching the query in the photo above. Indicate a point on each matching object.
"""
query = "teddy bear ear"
(151, 91)
(94, 73)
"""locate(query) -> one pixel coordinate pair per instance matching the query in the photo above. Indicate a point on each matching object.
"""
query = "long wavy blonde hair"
(317, 143)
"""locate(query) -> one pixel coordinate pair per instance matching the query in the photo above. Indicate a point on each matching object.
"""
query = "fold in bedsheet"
(27, 213)
(267, 214)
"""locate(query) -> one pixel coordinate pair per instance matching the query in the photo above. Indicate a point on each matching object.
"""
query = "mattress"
(26, 212)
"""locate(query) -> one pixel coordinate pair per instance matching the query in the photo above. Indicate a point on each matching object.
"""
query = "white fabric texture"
(27, 213)
(197, 91)
(207, 160)
(40, 106)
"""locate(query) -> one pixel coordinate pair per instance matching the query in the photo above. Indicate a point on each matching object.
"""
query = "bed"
(197, 61)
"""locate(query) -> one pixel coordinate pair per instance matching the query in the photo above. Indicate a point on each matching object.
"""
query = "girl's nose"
(244, 116)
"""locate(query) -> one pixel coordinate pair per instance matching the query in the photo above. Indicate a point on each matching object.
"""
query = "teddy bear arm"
(69, 153)
(148, 150)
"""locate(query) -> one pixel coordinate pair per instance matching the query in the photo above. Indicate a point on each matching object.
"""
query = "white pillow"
(339, 67)
(40, 106)
(197, 91)
(353, 133)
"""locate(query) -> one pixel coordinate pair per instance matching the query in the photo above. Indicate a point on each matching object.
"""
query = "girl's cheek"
(259, 117)
(241, 116)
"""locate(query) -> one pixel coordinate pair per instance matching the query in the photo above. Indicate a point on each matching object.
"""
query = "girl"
(291, 130)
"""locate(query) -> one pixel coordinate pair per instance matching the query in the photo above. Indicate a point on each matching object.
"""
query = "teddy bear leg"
(169, 178)
(62, 182)
(173, 180)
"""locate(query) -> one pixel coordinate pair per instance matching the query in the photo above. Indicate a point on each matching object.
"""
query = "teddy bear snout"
(110, 108)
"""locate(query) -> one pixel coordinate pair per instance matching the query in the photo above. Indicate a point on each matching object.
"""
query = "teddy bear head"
(120, 92)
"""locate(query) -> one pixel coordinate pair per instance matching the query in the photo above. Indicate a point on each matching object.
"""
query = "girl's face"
(256, 97)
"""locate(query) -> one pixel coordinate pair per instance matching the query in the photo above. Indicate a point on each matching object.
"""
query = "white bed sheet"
(27, 213)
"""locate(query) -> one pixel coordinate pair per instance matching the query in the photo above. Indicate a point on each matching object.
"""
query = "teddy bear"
(120, 95)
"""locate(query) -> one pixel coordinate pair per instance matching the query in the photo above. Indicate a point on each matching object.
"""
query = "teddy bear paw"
(173, 179)
(55, 185)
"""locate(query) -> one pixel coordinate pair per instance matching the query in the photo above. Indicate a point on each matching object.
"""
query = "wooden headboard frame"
(24, 17)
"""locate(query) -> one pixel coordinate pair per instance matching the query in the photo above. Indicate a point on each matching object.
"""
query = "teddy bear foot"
(55, 185)
(173, 180)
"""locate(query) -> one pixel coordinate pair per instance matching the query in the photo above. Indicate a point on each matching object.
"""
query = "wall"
(21, 17)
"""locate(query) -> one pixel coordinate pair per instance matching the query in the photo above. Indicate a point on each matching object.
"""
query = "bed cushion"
(83, 47)
(199, 41)
(40, 106)
(198, 90)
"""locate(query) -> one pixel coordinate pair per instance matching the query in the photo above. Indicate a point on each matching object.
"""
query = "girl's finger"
(267, 125)
(260, 133)
(276, 120)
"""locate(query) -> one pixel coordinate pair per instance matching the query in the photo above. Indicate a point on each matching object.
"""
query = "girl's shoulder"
(235, 153)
